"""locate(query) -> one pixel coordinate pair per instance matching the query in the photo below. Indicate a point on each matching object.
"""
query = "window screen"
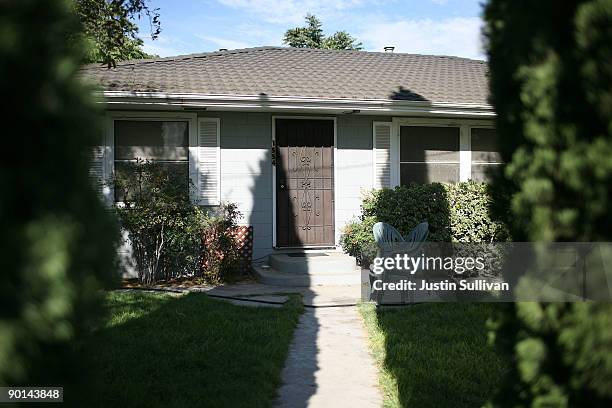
(429, 154)
(485, 155)
(164, 142)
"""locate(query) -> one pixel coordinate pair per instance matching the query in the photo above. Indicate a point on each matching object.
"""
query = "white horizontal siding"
(354, 173)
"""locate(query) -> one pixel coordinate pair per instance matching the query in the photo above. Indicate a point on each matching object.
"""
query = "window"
(485, 154)
(429, 154)
(165, 142)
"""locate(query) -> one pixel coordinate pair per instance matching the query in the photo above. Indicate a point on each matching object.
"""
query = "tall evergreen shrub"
(551, 83)
(57, 242)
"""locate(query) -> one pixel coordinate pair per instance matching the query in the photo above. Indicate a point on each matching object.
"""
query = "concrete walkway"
(329, 364)
(312, 296)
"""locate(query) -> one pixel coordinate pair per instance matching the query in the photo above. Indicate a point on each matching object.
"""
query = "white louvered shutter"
(208, 160)
(96, 169)
(382, 154)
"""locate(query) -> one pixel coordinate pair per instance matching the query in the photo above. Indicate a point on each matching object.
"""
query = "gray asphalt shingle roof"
(302, 72)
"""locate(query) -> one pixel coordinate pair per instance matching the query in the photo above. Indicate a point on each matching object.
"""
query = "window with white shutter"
(208, 161)
(382, 154)
(164, 142)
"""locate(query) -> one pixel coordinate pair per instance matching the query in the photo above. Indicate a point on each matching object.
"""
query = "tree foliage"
(311, 36)
(110, 29)
(57, 241)
(551, 82)
(341, 40)
(130, 50)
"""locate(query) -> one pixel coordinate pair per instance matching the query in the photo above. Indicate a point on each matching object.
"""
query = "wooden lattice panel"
(243, 237)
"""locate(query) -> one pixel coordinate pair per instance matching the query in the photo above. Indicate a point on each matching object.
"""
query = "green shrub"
(406, 206)
(171, 237)
(455, 212)
(357, 239)
(470, 215)
(220, 253)
(551, 85)
(164, 227)
(57, 242)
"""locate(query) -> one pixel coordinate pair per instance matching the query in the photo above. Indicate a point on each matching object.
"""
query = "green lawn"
(168, 351)
(434, 355)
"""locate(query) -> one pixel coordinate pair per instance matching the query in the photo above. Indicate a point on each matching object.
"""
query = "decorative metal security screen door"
(304, 182)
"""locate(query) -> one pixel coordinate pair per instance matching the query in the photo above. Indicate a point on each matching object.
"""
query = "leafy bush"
(164, 227)
(551, 84)
(470, 216)
(455, 212)
(170, 236)
(357, 239)
(220, 255)
(57, 242)
(406, 206)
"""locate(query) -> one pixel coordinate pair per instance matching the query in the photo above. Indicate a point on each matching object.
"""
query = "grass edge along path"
(434, 355)
(168, 350)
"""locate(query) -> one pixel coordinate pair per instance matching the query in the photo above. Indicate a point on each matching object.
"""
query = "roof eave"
(295, 103)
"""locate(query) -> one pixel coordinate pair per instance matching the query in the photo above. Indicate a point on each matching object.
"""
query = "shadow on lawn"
(161, 350)
(439, 355)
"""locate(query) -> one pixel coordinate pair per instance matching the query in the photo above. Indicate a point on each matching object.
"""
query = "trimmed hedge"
(455, 212)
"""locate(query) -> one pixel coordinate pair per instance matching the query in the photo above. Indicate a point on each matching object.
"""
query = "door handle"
(282, 186)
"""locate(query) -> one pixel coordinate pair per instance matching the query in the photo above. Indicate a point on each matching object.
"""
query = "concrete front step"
(270, 276)
(307, 268)
(308, 263)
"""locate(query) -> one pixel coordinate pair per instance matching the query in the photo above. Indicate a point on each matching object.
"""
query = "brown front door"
(304, 182)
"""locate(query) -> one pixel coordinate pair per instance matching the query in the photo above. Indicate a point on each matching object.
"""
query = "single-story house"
(295, 136)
